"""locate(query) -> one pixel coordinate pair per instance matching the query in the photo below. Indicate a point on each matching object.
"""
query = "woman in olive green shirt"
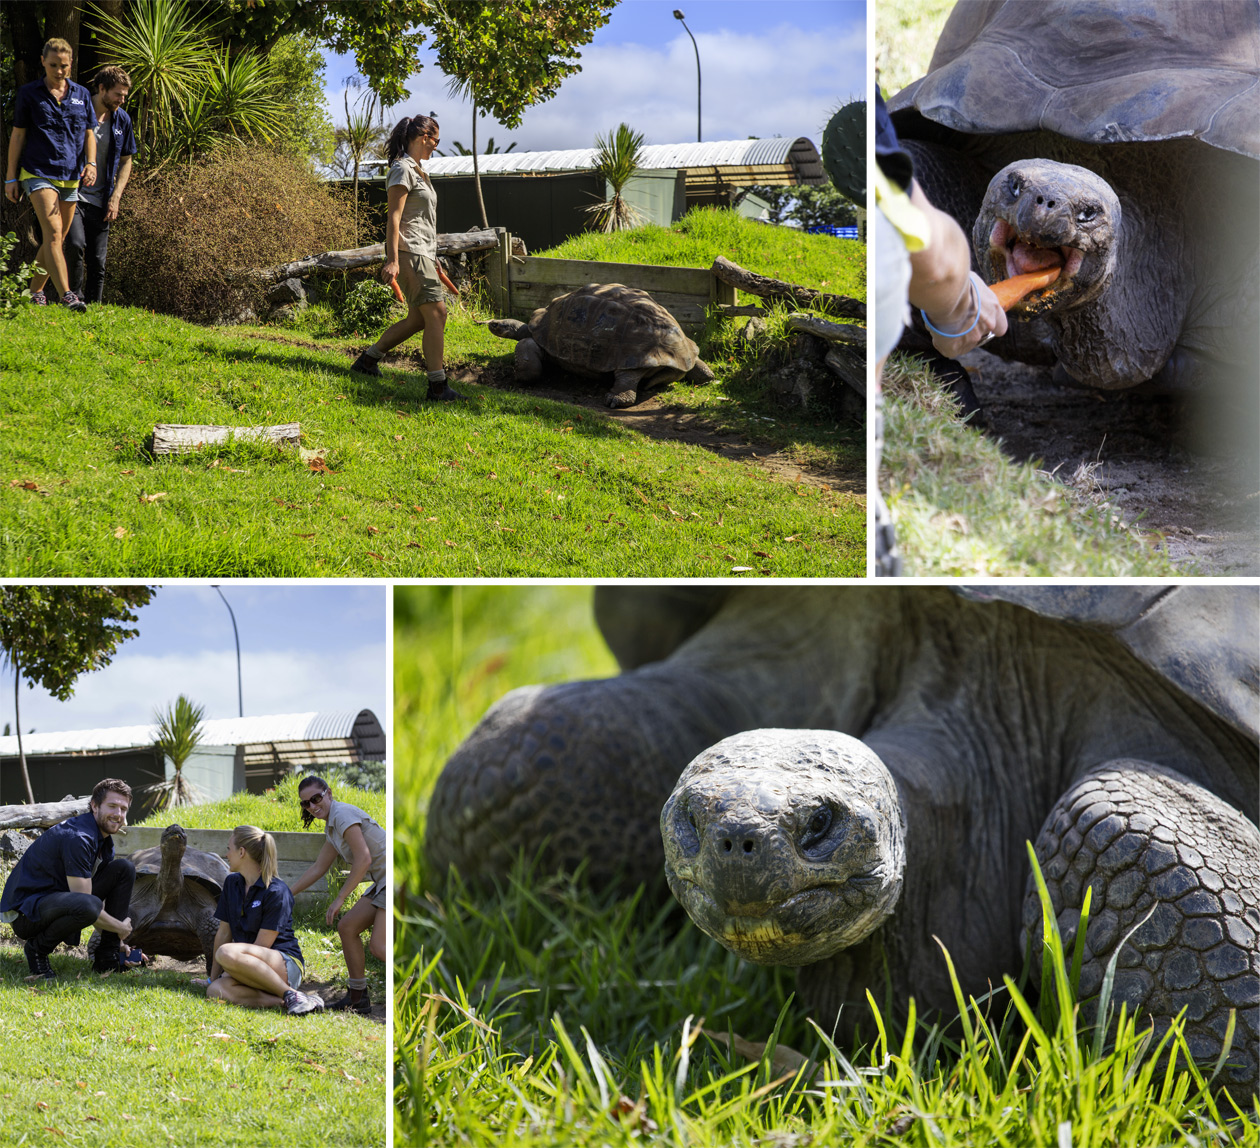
(411, 254)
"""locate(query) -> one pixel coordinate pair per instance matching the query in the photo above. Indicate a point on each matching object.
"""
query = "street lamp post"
(240, 695)
(678, 15)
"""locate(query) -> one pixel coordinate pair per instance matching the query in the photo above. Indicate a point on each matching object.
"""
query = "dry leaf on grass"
(152, 497)
(121, 532)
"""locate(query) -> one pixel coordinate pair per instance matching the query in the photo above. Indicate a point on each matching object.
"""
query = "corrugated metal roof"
(800, 152)
(313, 726)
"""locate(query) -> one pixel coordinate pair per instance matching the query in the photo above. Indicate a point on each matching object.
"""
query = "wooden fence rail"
(518, 286)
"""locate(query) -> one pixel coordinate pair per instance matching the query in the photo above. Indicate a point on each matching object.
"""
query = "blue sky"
(302, 648)
(768, 67)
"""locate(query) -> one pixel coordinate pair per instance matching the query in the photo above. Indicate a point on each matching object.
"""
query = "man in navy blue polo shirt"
(88, 240)
(69, 879)
(51, 127)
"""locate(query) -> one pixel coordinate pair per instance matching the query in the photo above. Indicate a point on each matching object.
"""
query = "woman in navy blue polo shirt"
(52, 124)
(257, 961)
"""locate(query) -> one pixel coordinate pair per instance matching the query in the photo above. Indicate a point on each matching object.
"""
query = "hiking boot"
(39, 299)
(106, 960)
(366, 365)
(443, 392)
(296, 1003)
(71, 300)
(37, 962)
(363, 1006)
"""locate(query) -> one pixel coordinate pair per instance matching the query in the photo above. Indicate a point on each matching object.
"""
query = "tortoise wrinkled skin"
(606, 330)
(175, 896)
(1157, 103)
(832, 777)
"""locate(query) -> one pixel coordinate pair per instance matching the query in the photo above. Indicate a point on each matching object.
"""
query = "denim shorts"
(38, 182)
(294, 970)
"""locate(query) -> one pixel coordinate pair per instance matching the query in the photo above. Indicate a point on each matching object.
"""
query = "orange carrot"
(1011, 291)
(397, 291)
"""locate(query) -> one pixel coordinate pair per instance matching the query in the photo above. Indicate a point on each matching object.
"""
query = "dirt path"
(1147, 458)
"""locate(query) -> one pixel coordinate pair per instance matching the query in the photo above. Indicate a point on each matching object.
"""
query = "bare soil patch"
(653, 419)
(1162, 463)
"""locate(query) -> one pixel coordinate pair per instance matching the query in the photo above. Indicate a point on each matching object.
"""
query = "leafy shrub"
(369, 775)
(366, 308)
(189, 236)
(13, 284)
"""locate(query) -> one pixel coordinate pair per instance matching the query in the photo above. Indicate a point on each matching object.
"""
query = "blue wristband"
(975, 298)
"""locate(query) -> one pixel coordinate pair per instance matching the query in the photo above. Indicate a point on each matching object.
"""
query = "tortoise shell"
(1099, 73)
(604, 327)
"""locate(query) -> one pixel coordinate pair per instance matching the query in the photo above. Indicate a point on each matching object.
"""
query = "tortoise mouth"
(796, 930)
(1013, 253)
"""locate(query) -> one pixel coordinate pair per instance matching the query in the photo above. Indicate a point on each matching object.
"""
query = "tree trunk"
(61, 18)
(17, 722)
(42, 816)
(481, 203)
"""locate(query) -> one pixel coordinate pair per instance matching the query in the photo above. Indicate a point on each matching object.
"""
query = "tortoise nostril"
(728, 844)
(748, 846)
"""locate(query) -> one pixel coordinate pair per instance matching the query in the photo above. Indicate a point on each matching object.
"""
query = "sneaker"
(366, 365)
(39, 299)
(71, 300)
(296, 1003)
(443, 392)
(363, 1006)
(37, 962)
(106, 961)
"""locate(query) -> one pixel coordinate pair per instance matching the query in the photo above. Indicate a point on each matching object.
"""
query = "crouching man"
(69, 879)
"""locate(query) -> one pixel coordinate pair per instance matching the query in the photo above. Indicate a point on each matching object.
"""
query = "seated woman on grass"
(359, 841)
(257, 961)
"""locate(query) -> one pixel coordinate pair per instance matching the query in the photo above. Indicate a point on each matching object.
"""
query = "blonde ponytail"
(261, 848)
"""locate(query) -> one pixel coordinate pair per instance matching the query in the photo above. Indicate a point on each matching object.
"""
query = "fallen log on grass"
(43, 815)
(834, 332)
(755, 284)
(172, 438)
(451, 243)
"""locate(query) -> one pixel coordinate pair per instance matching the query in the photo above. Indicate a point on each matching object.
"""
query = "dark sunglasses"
(311, 802)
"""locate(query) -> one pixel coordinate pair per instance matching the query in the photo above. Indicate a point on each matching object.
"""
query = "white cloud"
(128, 690)
(784, 80)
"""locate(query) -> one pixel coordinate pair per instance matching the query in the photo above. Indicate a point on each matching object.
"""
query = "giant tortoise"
(1116, 141)
(606, 330)
(841, 774)
(175, 897)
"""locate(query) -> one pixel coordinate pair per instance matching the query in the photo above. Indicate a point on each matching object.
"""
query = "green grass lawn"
(143, 1058)
(504, 485)
(550, 1013)
(962, 508)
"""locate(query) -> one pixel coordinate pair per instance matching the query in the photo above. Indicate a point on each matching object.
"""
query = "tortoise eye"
(1015, 186)
(1086, 213)
(817, 828)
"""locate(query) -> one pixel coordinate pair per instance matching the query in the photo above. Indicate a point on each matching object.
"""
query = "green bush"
(366, 308)
(190, 235)
(12, 285)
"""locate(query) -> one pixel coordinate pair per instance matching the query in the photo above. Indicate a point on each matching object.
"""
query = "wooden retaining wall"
(518, 286)
(294, 852)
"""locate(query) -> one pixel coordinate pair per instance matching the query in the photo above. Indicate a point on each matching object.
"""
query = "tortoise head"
(170, 879)
(785, 846)
(1038, 214)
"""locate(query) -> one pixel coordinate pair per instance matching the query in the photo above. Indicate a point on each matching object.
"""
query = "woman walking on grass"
(52, 124)
(353, 835)
(411, 254)
(257, 961)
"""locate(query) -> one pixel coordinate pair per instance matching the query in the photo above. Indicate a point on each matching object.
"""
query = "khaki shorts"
(419, 281)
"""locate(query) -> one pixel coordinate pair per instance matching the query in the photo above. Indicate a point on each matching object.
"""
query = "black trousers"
(61, 917)
(86, 247)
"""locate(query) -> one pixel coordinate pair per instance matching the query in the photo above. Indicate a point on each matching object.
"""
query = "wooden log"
(755, 284)
(835, 332)
(448, 243)
(852, 373)
(41, 816)
(172, 438)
